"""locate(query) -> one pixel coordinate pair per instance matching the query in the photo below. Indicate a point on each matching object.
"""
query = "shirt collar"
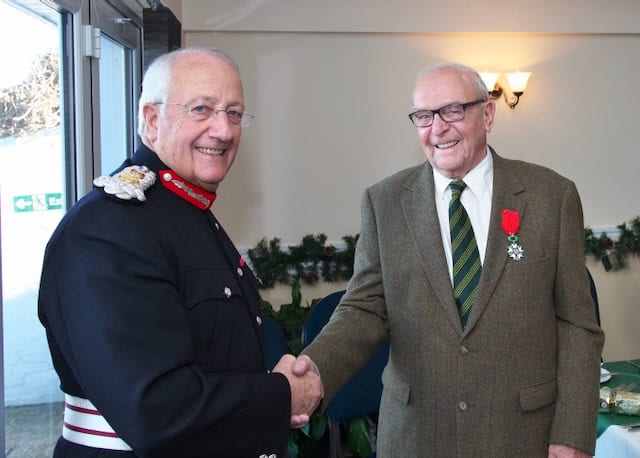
(479, 179)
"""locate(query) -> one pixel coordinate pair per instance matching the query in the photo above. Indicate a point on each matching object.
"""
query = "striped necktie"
(466, 258)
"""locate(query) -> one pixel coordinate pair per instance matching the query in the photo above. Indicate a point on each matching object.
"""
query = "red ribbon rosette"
(510, 222)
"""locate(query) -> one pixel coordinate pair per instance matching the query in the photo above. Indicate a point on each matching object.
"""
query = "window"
(67, 106)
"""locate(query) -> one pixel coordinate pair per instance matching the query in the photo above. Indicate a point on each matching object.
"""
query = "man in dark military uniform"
(152, 316)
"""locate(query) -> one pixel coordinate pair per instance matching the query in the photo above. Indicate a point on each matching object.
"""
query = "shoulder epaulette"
(129, 183)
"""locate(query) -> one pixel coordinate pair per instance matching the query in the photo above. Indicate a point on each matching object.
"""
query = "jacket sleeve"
(359, 322)
(580, 340)
(171, 378)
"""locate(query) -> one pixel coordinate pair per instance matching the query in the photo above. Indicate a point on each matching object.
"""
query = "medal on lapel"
(510, 225)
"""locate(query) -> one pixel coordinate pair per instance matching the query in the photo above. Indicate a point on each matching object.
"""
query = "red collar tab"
(182, 188)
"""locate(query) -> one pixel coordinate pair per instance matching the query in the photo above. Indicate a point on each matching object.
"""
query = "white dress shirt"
(476, 199)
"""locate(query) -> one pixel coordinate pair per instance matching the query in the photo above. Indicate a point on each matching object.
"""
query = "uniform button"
(227, 291)
(259, 320)
(217, 226)
(464, 350)
(166, 176)
(240, 271)
(462, 405)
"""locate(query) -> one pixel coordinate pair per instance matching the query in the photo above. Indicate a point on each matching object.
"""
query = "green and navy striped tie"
(466, 258)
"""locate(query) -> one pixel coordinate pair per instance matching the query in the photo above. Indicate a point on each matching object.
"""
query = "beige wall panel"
(566, 16)
(331, 119)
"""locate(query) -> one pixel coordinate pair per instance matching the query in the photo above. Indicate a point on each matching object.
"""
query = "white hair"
(481, 89)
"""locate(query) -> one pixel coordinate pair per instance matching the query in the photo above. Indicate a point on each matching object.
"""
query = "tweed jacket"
(524, 371)
(151, 315)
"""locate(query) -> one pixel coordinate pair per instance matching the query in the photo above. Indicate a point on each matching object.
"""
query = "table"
(614, 441)
(617, 442)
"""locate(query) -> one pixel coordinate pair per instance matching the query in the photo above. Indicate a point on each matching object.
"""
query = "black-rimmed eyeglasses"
(203, 112)
(449, 113)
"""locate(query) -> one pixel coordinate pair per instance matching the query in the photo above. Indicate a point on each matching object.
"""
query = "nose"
(220, 127)
(438, 124)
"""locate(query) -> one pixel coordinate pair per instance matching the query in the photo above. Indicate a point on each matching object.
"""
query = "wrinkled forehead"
(443, 87)
(203, 76)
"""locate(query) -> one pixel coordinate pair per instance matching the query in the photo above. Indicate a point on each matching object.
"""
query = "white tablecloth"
(618, 442)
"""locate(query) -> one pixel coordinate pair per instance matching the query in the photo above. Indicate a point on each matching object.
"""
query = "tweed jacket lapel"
(508, 193)
(421, 217)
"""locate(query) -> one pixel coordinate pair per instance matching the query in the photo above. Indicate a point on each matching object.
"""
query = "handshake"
(306, 387)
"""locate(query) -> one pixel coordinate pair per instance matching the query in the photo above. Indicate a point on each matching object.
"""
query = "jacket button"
(240, 271)
(464, 350)
(462, 405)
(227, 292)
(259, 321)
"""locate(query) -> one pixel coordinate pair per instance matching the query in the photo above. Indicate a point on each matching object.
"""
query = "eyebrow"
(436, 109)
(212, 101)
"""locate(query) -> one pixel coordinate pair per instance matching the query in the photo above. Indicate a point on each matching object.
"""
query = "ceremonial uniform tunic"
(153, 317)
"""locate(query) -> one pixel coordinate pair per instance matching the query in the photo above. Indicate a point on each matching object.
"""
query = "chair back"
(594, 295)
(275, 342)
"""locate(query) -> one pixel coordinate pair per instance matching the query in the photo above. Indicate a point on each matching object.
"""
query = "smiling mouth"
(210, 151)
(447, 145)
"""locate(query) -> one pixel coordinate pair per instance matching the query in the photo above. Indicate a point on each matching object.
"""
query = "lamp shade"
(489, 79)
(518, 81)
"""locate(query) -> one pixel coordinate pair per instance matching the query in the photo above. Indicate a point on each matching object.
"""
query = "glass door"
(67, 111)
(113, 74)
(33, 185)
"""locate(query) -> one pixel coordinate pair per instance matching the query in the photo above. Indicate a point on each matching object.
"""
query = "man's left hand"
(564, 451)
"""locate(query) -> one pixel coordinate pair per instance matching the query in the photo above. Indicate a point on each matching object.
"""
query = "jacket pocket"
(221, 326)
(537, 396)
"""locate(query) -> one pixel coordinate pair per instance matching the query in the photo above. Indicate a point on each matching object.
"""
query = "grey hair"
(482, 92)
(157, 77)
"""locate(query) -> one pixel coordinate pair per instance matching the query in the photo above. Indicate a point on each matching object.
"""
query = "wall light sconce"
(517, 84)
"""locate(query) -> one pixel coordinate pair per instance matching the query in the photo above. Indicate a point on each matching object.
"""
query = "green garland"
(614, 254)
(313, 259)
(308, 262)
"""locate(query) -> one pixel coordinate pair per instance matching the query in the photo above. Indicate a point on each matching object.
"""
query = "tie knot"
(457, 186)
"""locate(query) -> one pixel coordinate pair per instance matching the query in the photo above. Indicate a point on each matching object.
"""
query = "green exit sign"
(37, 202)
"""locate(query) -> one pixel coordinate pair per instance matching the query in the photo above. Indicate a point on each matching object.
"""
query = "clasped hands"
(306, 387)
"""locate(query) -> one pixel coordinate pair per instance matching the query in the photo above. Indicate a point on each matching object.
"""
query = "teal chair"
(275, 342)
(594, 295)
(360, 396)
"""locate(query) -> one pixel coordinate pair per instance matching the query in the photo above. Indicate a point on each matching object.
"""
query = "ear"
(489, 115)
(151, 113)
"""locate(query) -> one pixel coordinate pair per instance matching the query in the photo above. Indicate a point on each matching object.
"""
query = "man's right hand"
(305, 384)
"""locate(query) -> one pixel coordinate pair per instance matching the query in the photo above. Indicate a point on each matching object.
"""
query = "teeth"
(211, 151)
(447, 145)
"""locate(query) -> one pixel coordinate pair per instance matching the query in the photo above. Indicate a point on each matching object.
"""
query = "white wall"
(330, 84)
